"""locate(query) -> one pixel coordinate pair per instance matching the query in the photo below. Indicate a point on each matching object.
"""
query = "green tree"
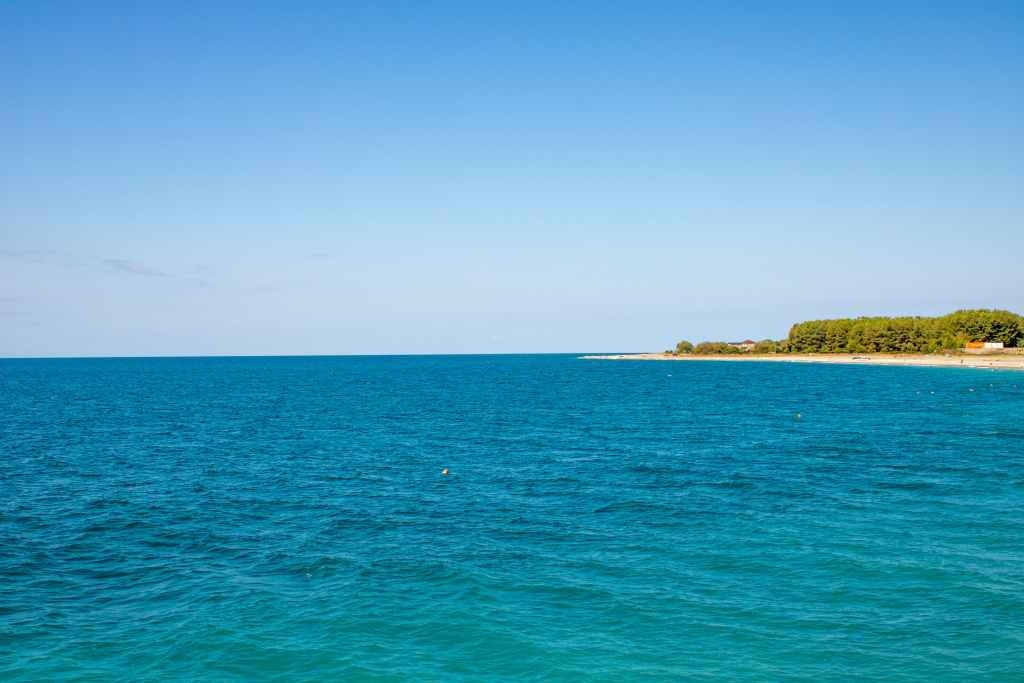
(766, 346)
(708, 348)
(907, 334)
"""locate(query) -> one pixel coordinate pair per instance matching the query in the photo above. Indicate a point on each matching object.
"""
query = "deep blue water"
(286, 519)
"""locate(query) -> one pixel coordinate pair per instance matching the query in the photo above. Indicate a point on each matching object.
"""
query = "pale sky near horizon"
(413, 177)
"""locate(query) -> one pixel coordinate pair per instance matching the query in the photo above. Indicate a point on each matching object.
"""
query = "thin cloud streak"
(51, 257)
(129, 267)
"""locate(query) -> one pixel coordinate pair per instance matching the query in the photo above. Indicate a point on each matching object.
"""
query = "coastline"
(994, 362)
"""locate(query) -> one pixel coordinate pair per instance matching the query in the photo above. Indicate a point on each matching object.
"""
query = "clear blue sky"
(412, 177)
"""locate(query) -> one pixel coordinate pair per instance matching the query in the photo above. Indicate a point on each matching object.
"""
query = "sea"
(289, 519)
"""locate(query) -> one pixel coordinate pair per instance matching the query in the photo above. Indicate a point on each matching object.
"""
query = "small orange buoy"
(798, 414)
(445, 472)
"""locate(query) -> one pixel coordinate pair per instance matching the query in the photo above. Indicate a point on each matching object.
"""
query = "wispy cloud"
(136, 269)
(62, 259)
(129, 267)
(44, 256)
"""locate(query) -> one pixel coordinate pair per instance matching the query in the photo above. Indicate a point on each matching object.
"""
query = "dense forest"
(886, 335)
(891, 335)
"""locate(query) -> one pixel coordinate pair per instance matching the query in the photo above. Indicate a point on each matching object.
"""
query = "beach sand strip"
(1000, 362)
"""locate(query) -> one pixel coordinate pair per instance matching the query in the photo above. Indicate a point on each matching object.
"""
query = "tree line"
(885, 335)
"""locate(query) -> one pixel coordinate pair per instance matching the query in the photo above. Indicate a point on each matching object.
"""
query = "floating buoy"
(445, 472)
(798, 414)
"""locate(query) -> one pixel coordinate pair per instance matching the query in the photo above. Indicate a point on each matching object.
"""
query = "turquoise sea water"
(286, 519)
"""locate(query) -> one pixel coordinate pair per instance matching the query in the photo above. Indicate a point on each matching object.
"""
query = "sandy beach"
(995, 362)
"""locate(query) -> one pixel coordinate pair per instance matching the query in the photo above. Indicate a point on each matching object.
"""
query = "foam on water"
(286, 519)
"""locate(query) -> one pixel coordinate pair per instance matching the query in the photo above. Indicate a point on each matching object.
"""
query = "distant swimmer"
(445, 472)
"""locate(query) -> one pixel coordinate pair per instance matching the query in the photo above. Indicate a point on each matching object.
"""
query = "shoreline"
(993, 362)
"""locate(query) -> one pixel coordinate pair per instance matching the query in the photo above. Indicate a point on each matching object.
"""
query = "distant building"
(984, 345)
(744, 345)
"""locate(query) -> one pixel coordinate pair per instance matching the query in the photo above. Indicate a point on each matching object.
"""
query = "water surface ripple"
(286, 519)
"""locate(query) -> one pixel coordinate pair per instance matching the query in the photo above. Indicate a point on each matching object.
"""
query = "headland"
(1004, 362)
